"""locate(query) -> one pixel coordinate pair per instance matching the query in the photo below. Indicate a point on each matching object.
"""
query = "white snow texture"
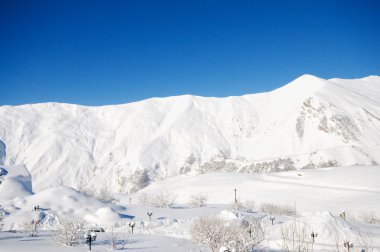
(310, 122)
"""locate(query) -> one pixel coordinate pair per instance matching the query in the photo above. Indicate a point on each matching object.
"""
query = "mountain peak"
(309, 80)
(303, 86)
(308, 77)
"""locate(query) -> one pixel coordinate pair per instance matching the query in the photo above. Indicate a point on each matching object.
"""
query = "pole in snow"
(89, 239)
(132, 225)
(150, 215)
(348, 245)
(313, 235)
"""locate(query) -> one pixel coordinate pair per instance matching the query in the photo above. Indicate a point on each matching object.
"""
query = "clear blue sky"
(111, 52)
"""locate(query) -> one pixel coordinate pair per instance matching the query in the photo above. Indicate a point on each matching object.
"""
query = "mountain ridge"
(310, 122)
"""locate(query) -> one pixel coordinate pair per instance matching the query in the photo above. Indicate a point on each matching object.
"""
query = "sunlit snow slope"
(310, 122)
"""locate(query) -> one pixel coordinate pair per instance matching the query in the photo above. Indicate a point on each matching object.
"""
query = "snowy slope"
(310, 122)
(2, 152)
(16, 183)
(337, 189)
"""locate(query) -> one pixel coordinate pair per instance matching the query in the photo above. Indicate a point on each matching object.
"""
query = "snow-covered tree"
(198, 199)
(160, 199)
(216, 232)
(1, 222)
(164, 199)
(246, 234)
(209, 231)
(295, 236)
(106, 195)
(278, 209)
(139, 179)
(370, 217)
(144, 199)
(31, 223)
(70, 231)
(249, 205)
(117, 240)
(237, 205)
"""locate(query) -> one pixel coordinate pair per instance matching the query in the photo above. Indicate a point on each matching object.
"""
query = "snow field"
(350, 189)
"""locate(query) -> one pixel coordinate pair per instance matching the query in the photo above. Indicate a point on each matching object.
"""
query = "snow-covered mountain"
(2, 152)
(310, 122)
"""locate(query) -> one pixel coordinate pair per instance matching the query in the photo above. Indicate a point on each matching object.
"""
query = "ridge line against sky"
(200, 96)
(101, 53)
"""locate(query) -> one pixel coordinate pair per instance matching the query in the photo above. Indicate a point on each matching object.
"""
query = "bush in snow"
(198, 199)
(139, 179)
(209, 231)
(248, 235)
(31, 224)
(278, 209)
(70, 232)
(295, 236)
(106, 196)
(216, 233)
(366, 241)
(164, 199)
(117, 240)
(370, 217)
(2, 214)
(144, 199)
(237, 205)
(103, 195)
(160, 199)
(249, 205)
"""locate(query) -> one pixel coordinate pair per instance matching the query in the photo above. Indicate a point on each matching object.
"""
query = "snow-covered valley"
(300, 160)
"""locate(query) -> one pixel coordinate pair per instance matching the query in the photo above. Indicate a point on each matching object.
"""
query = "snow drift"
(15, 182)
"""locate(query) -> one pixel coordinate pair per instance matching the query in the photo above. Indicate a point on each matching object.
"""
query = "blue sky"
(112, 52)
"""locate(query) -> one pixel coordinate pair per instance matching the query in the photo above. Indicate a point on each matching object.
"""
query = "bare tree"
(295, 236)
(31, 224)
(139, 179)
(1, 220)
(250, 233)
(216, 232)
(249, 205)
(209, 231)
(112, 239)
(366, 242)
(337, 242)
(164, 199)
(69, 231)
(370, 217)
(106, 195)
(237, 205)
(278, 209)
(144, 199)
(198, 199)
(117, 240)
(160, 199)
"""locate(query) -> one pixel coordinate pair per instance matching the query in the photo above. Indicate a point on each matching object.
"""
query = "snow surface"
(16, 183)
(2, 152)
(10, 242)
(310, 122)
(319, 195)
(188, 145)
(328, 189)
